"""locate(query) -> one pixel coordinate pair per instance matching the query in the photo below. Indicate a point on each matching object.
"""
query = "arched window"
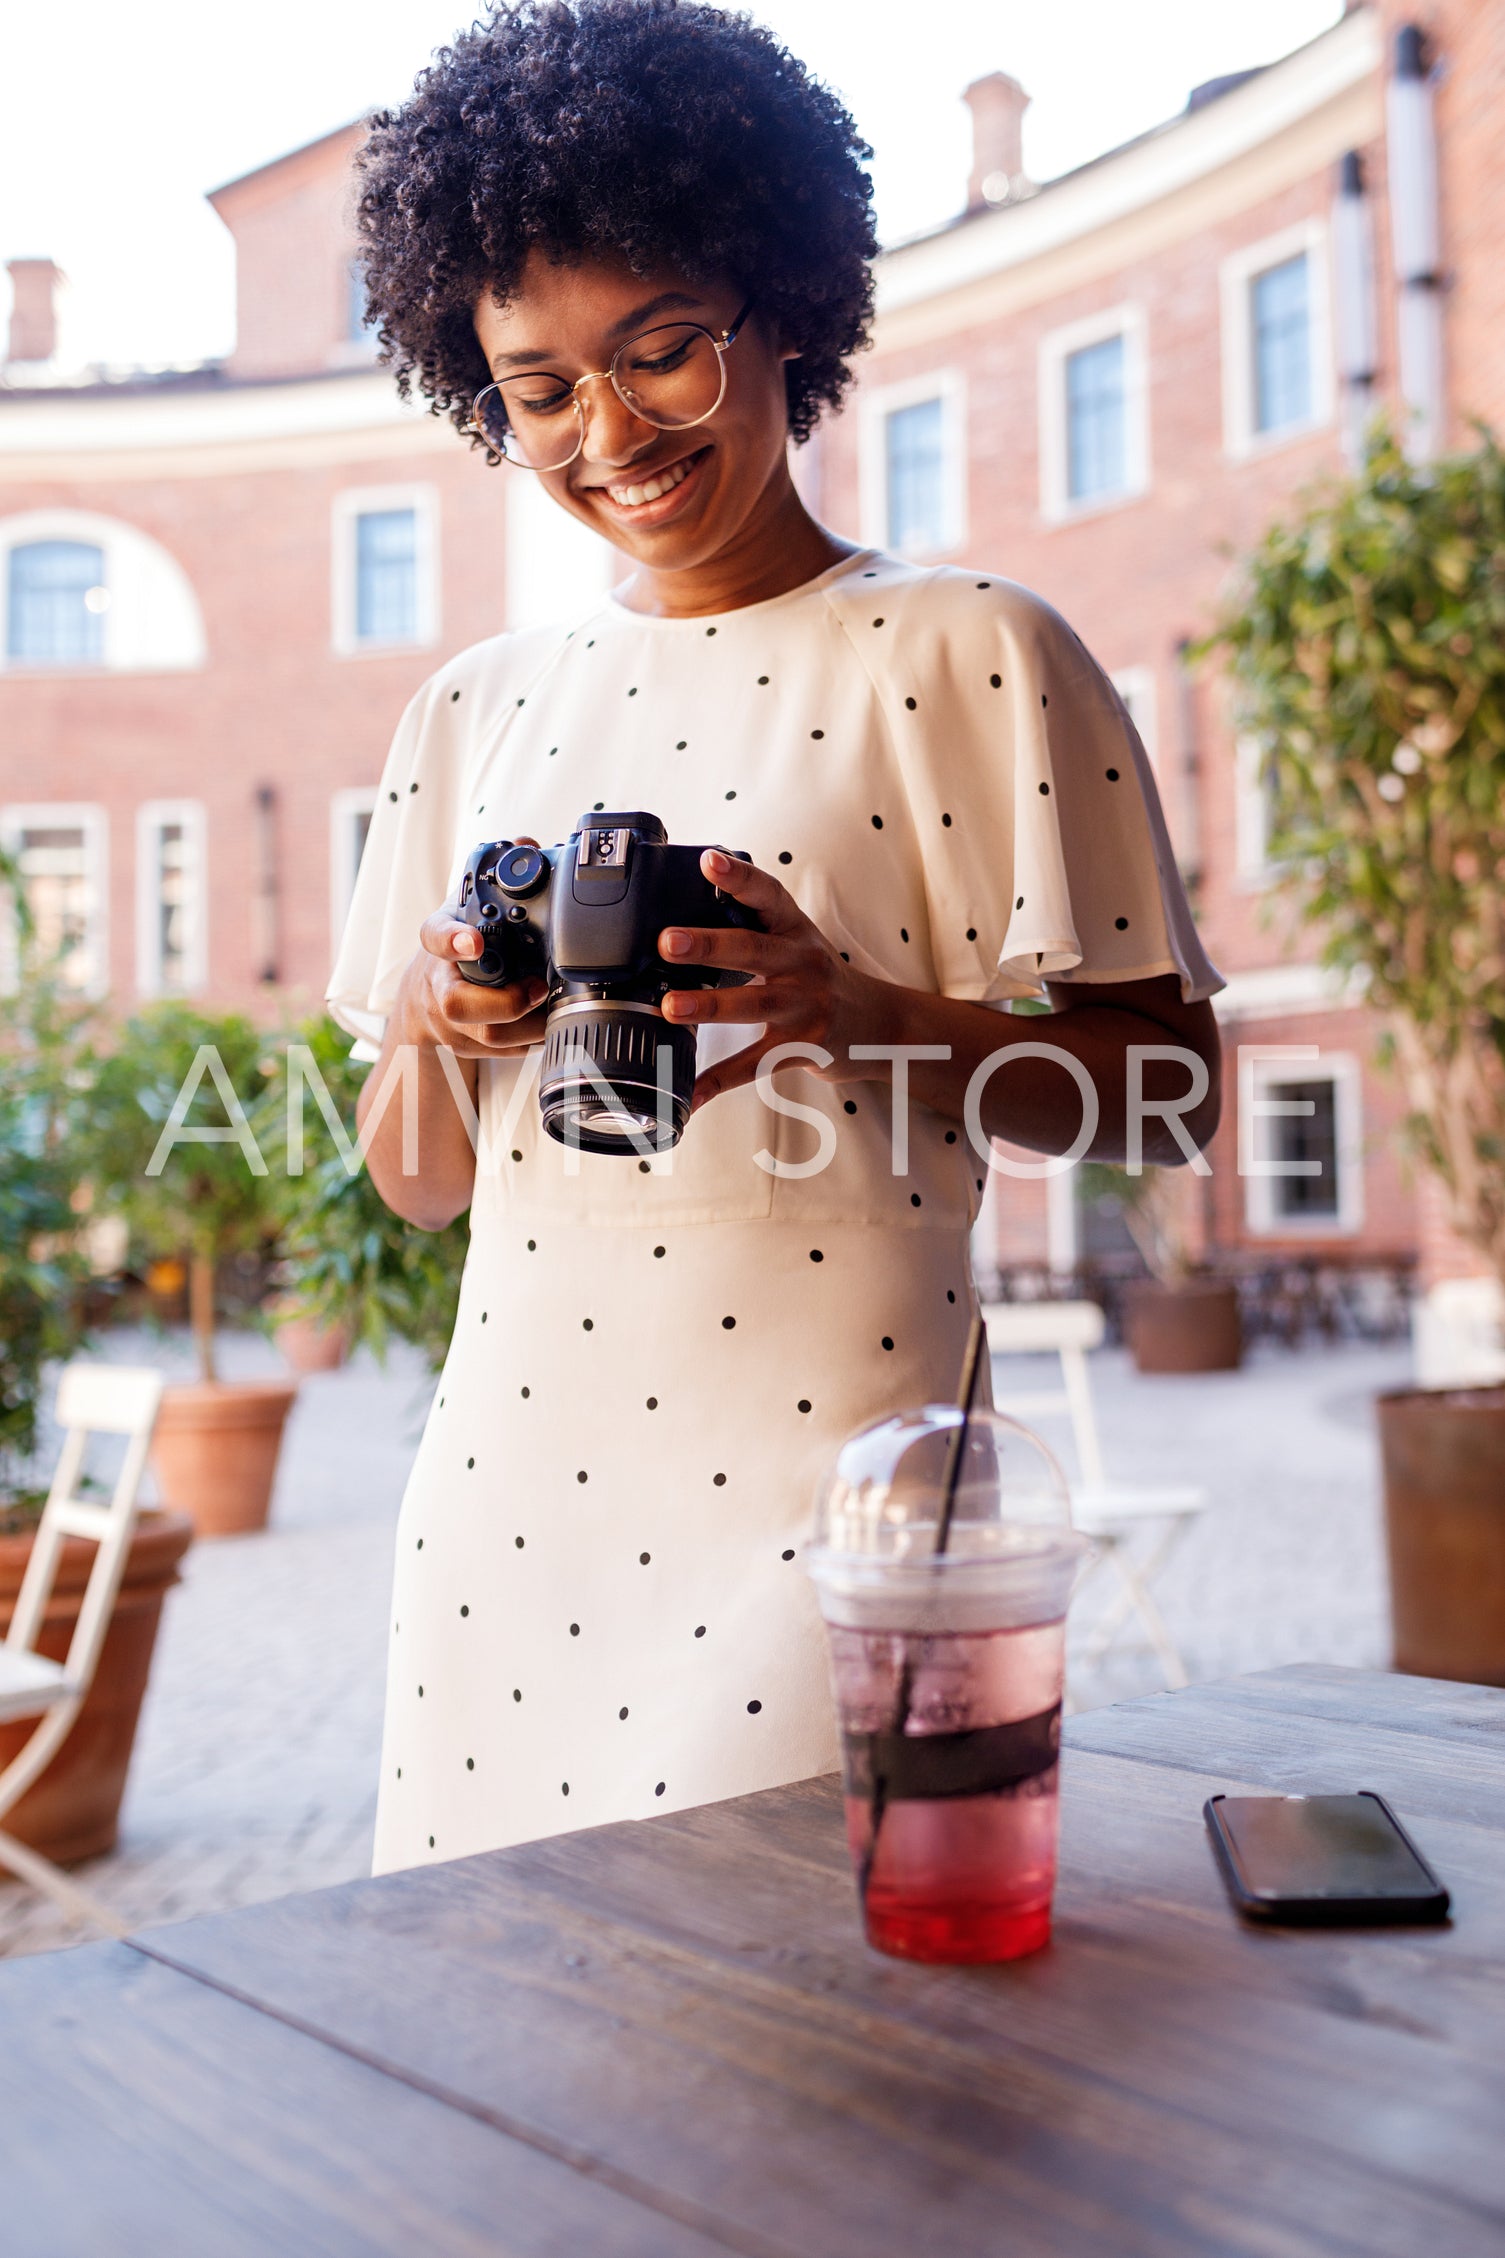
(55, 602)
(84, 591)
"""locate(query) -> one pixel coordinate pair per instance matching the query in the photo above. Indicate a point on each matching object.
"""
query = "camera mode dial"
(520, 872)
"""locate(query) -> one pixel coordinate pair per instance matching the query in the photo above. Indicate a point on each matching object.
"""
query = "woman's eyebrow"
(666, 301)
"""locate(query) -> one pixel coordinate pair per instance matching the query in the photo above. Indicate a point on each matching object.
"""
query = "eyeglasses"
(671, 377)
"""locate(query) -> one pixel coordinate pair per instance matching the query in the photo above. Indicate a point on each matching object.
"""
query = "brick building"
(1108, 384)
(221, 584)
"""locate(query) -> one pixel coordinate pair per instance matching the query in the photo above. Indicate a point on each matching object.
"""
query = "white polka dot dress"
(598, 1610)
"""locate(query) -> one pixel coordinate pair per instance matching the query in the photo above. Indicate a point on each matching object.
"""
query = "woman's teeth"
(628, 497)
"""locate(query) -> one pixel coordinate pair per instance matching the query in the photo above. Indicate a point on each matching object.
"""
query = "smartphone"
(1313, 1858)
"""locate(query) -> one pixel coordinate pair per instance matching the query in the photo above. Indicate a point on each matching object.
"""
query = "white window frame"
(354, 800)
(1137, 687)
(359, 501)
(94, 822)
(152, 622)
(949, 386)
(1235, 287)
(1258, 1075)
(1127, 321)
(1253, 867)
(151, 819)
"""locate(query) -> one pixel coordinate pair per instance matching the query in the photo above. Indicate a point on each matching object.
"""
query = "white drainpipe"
(1411, 138)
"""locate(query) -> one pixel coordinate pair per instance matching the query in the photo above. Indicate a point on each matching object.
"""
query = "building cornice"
(183, 434)
(1213, 162)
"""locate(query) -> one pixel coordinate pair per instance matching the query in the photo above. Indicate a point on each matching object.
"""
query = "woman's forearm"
(430, 1182)
(1038, 1102)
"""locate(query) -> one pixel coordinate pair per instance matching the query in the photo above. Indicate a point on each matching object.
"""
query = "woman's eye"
(662, 363)
(546, 403)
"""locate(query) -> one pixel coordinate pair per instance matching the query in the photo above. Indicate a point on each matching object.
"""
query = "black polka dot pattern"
(547, 1577)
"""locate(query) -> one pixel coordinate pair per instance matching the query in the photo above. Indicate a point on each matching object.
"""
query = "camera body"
(585, 917)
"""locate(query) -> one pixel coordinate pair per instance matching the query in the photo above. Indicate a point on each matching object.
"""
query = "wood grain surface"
(149, 2116)
(679, 2018)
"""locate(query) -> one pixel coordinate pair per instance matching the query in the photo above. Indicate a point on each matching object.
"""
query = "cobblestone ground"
(255, 1767)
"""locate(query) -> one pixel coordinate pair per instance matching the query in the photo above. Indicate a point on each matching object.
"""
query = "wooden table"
(666, 2040)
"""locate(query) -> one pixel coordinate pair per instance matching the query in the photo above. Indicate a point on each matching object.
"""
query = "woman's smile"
(646, 498)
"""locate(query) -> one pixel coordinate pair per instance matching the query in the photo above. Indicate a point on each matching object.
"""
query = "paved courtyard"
(256, 1764)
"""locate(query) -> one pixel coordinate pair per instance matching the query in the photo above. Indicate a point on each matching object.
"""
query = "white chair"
(91, 1399)
(1112, 1513)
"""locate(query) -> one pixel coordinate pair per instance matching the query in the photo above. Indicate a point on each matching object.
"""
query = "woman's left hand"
(802, 991)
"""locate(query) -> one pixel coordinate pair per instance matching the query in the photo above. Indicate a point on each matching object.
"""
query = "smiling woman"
(623, 244)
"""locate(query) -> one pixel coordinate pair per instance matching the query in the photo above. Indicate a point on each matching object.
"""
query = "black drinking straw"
(971, 1364)
(955, 1452)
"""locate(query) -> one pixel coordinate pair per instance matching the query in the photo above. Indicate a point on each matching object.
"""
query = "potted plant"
(1368, 649)
(171, 1145)
(347, 1260)
(72, 1810)
(1178, 1319)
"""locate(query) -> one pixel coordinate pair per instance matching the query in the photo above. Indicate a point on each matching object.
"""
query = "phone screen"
(1335, 1846)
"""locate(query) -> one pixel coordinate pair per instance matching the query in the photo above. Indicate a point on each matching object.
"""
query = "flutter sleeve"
(1044, 846)
(406, 866)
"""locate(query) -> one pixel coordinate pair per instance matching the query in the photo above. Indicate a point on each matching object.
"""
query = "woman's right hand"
(438, 1006)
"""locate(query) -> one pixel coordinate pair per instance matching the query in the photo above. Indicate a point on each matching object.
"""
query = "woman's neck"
(780, 547)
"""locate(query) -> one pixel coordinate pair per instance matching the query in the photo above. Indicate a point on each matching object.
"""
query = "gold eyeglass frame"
(721, 346)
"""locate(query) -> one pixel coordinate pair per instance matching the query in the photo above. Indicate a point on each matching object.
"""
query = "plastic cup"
(947, 1669)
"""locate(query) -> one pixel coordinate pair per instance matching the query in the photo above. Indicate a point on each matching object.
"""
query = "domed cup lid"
(1010, 1554)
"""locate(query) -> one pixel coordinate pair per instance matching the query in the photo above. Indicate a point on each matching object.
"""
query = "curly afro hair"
(660, 131)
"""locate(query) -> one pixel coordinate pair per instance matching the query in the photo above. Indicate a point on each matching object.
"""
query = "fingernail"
(676, 942)
(719, 862)
(537, 990)
(467, 944)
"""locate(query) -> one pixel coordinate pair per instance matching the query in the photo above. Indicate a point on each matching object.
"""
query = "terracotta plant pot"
(311, 1347)
(1193, 1327)
(215, 1451)
(1444, 1458)
(73, 1810)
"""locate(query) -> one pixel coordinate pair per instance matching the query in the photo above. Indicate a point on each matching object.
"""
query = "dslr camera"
(585, 917)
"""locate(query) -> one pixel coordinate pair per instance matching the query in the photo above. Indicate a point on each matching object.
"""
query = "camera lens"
(616, 1077)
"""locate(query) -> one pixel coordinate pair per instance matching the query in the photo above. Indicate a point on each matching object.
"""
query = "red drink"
(944, 1557)
(952, 1820)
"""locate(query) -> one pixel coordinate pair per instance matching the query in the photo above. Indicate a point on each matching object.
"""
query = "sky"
(115, 119)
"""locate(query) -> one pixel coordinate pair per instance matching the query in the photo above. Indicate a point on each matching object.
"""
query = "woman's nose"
(613, 434)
